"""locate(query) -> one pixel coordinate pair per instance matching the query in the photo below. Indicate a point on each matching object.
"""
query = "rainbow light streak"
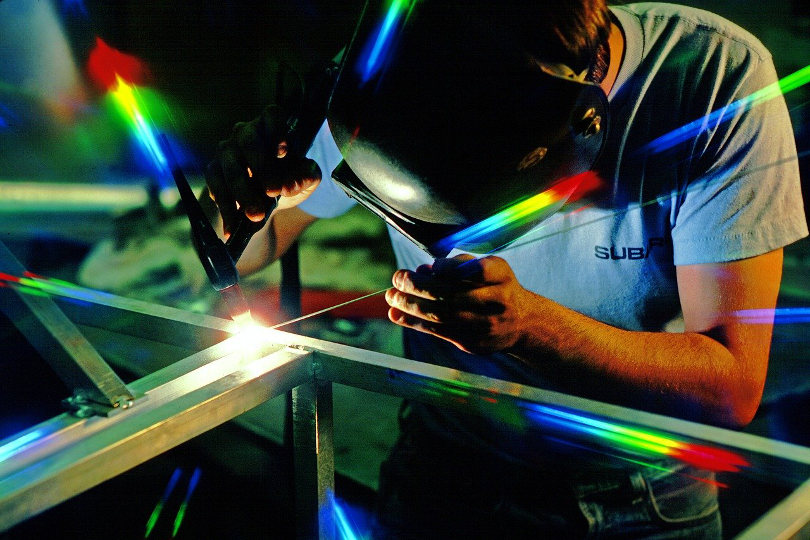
(622, 437)
(15, 446)
(150, 523)
(775, 316)
(526, 210)
(645, 464)
(41, 286)
(618, 437)
(121, 75)
(694, 128)
(381, 44)
(181, 513)
(127, 99)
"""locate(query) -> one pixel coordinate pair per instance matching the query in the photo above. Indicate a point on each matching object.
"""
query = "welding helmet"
(445, 123)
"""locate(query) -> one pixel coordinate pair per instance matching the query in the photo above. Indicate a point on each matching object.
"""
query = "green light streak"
(181, 513)
(153, 518)
(150, 524)
(179, 518)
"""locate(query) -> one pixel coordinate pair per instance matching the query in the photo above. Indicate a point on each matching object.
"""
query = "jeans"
(433, 489)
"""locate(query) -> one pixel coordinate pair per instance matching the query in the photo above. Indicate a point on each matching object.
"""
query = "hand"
(254, 166)
(476, 304)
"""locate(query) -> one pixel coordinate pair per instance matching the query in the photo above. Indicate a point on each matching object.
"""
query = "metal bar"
(63, 197)
(790, 519)
(382, 373)
(101, 298)
(60, 343)
(40, 197)
(58, 459)
(194, 331)
(314, 460)
(192, 393)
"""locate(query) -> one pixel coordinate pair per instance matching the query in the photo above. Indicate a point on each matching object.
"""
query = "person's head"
(561, 31)
(451, 112)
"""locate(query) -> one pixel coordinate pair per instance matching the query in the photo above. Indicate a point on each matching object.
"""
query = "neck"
(616, 46)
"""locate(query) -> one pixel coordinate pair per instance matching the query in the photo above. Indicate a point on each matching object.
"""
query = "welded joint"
(83, 404)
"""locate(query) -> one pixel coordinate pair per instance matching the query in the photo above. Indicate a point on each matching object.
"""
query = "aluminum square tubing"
(53, 461)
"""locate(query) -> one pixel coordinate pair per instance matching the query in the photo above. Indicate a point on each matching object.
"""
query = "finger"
(219, 192)
(415, 306)
(439, 330)
(402, 318)
(254, 145)
(251, 200)
(424, 269)
(300, 174)
(290, 176)
(422, 285)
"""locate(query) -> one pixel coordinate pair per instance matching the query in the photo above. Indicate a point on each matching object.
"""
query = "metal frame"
(51, 462)
(96, 387)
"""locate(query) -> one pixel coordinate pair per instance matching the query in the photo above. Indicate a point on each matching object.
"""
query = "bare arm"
(270, 243)
(713, 372)
(252, 167)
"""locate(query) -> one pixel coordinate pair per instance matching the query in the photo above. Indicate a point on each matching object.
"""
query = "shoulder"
(662, 23)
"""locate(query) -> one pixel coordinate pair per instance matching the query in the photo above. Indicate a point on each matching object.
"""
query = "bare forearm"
(688, 374)
(269, 244)
(714, 372)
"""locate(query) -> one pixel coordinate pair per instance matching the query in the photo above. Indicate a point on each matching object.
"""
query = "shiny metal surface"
(61, 344)
(314, 459)
(58, 459)
(790, 519)
(54, 461)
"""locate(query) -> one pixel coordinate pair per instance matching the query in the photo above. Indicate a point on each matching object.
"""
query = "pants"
(435, 489)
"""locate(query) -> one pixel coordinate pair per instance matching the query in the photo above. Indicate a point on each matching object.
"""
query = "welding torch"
(218, 261)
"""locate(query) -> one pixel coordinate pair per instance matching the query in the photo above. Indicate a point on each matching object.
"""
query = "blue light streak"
(153, 518)
(181, 513)
(6, 116)
(15, 446)
(715, 118)
(74, 6)
(384, 37)
(778, 316)
(343, 524)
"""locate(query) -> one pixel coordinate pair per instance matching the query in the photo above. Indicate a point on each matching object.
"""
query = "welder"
(655, 206)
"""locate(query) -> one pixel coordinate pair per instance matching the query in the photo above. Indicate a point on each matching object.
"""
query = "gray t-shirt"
(694, 171)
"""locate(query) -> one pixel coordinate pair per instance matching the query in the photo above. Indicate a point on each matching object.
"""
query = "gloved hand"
(255, 165)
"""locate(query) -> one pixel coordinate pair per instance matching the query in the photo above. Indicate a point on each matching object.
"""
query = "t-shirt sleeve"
(744, 197)
(328, 200)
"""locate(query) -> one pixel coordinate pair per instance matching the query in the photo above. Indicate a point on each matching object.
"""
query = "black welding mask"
(452, 132)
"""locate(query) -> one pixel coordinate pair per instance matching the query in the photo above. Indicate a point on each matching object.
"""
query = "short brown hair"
(566, 31)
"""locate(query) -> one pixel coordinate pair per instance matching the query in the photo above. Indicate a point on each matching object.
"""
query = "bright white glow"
(249, 336)
(401, 192)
